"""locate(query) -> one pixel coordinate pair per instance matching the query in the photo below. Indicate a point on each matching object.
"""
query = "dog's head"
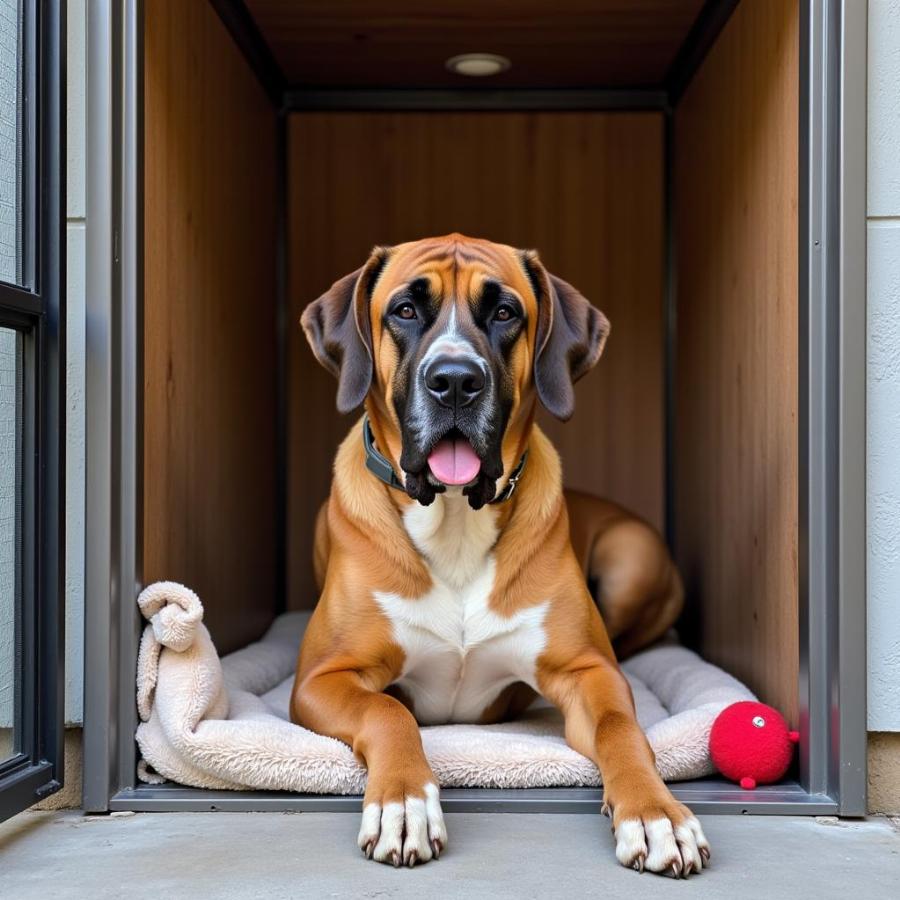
(449, 340)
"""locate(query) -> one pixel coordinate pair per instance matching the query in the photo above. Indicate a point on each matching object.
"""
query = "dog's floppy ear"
(570, 338)
(338, 330)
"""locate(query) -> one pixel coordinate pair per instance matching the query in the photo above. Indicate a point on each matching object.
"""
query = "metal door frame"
(832, 355)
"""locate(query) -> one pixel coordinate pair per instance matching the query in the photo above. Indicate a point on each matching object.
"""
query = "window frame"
(36, 310)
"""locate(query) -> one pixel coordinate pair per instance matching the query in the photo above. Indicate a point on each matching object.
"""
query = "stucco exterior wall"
(883, 400)
(883, 406)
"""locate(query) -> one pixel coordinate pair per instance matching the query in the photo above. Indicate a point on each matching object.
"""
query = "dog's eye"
(405, 311)
(504, 312)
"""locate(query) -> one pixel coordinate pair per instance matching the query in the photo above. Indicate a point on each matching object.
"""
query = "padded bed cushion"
(224, 723)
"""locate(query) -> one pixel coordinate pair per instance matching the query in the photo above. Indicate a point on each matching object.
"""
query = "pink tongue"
(454, 461)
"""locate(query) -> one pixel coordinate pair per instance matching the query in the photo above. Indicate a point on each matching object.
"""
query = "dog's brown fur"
(625, 563)
(350, 659)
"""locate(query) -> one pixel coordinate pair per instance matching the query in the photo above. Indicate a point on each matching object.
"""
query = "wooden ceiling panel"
(405, 43)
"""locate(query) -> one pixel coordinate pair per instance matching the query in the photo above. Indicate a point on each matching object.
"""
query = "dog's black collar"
(382, 469)
(377, 464)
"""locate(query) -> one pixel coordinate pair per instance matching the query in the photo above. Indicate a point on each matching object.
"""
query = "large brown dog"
(451, 591)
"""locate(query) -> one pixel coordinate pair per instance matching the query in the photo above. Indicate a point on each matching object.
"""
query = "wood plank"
(737, 388)
(584, 188)
(209, 321)
(392, 43)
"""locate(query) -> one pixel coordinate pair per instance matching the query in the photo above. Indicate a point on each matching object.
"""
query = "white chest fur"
(459, 654)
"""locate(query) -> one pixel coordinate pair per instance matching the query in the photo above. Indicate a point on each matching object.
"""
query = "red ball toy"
(750, 743)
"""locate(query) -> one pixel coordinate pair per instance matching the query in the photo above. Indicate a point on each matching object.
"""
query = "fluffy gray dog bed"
(224, 723)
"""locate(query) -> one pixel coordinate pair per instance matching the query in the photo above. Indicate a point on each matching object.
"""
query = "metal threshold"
(706, 797)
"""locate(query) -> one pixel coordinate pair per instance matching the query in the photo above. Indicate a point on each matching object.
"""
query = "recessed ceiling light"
(478, 64)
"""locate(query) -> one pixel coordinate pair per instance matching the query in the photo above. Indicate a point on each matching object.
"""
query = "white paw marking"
(657, 846)
(663, 851)
(404, 833)
(631, 846)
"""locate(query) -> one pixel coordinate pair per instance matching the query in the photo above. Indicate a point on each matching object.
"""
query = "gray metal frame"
(113, 412)
(37, 311)
(832, 355)
(703, 797)
(482, 100)
(832, 405)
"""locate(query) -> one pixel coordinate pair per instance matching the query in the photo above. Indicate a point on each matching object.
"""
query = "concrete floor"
(274, 856)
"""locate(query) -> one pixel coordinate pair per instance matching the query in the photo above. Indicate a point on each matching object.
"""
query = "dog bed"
(215, 723)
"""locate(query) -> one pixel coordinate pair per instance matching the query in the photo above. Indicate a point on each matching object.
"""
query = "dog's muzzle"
(454, 381)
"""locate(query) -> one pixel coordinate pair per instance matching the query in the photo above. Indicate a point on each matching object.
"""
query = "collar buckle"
(512, 482)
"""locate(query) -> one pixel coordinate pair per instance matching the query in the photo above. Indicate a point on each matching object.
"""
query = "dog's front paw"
(403, 827)
(663, 837)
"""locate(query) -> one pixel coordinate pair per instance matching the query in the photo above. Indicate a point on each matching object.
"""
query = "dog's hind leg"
(639, 590)
(321, 546)
(629, 571)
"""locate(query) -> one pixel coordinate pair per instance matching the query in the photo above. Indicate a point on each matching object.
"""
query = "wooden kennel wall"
(735, 364)
(584, 188)
(589, 189)
(210, 377)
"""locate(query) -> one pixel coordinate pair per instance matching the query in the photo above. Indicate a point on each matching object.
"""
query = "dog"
(451, 591)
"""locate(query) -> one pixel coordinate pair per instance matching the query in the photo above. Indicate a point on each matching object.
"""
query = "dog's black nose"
(454, 381)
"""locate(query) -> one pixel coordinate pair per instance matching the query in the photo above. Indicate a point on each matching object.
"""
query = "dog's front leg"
(402, 822)
(652, 829)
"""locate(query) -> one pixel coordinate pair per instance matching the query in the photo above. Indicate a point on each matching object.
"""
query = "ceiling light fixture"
(478, 65)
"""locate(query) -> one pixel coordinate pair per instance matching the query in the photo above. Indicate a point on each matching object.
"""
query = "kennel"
(697, 169)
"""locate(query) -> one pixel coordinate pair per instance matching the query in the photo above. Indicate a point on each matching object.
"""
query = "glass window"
(10, 142)
(10, 541)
